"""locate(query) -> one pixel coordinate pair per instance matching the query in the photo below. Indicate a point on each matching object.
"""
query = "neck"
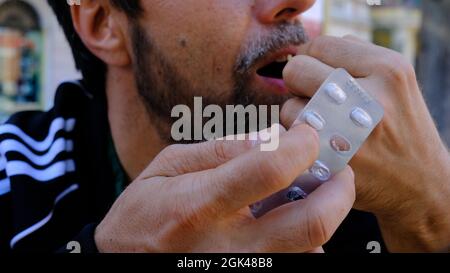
(136, 139)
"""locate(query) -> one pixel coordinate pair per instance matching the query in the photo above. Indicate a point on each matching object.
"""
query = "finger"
(291, 110)
(306, 224)
(303, 75)
(181, 159)
(306, 84)
(255, 175)
(357, 58)
(354, 38)
(318, 250)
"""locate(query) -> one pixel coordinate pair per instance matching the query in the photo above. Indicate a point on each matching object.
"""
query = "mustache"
(283, 35)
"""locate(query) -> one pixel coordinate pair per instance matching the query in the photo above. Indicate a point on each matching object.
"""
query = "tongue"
(273, 70)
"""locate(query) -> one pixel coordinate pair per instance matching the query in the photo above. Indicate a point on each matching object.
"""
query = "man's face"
(226, 51)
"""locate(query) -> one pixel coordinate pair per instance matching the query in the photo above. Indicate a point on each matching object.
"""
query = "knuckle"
(318, 232)
(220, 151)
(318, 45)
(158, 167)
(396, 69)
(169, 151)
(168, 163)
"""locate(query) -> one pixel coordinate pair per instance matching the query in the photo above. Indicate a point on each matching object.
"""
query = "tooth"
(282, 59)
(290, 57)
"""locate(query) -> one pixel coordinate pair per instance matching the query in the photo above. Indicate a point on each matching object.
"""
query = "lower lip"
(277, 85)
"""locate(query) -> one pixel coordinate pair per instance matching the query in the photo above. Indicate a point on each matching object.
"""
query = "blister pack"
(344, 115)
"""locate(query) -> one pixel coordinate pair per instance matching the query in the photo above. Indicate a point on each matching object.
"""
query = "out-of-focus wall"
(313, 18)
(343, 17)
(57, 63)
(433, 66)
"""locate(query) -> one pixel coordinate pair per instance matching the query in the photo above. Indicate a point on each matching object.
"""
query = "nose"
(277, 11)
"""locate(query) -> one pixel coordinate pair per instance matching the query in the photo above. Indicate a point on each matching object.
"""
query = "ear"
(99, 27)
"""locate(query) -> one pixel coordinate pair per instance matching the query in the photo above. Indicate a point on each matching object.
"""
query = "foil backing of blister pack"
(344, 115)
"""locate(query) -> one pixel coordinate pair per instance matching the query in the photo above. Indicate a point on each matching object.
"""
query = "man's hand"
(195, 198)
(403, 170)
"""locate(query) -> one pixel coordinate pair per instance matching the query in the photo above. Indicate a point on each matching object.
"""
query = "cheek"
(203, 42)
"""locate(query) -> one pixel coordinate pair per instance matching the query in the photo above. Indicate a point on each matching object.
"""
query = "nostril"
(286, 12)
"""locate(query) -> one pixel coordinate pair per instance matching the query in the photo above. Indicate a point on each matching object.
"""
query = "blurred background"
(35, 58)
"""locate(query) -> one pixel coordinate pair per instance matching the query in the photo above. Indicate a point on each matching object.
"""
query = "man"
(64, 168)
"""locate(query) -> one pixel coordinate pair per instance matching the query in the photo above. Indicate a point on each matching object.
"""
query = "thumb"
(307, 224)
(318, 250)
(181, 159)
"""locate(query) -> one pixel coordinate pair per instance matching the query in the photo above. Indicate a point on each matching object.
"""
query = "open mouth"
(274, 69)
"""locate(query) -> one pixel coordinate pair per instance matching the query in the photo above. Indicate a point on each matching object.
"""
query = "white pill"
(336, 93)
(361, 118)
(320, 171)
(314, 120)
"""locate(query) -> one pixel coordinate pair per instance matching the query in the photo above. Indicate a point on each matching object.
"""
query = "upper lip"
(273, 56)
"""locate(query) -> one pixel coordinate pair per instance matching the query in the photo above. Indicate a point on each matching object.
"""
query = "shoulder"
(70, 99)
(47, 167)
(37, 146)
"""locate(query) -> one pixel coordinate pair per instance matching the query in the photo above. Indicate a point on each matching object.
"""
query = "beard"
(161, 87)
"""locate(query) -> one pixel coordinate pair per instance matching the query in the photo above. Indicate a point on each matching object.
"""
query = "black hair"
(92, 68)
